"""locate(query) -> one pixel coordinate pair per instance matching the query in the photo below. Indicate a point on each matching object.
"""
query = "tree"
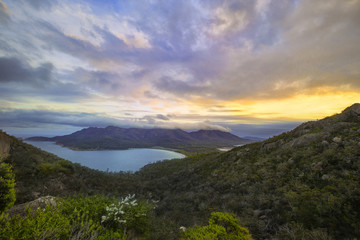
(221, 226)
(7, 187)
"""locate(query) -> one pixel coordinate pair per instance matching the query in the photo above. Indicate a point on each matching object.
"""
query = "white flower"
(182, 228)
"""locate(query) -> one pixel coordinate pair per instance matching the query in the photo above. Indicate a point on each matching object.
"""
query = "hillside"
(39, 173)
(302, 184)
(124, 138)
(305, 182)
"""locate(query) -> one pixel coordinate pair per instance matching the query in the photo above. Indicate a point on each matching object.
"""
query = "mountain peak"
(353, 108)
(350, 114)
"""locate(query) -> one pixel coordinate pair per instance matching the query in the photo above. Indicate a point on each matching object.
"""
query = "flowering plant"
(128, 214)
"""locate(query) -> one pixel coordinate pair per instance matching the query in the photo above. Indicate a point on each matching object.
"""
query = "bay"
(109, 160)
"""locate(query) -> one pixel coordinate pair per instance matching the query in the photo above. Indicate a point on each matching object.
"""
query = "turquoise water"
(109, 160)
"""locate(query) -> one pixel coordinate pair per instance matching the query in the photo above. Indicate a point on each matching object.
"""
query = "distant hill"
(124, 138)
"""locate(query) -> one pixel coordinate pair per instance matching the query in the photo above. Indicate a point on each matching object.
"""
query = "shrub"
(7, 187)
(221, 226)
(78, 218)
(128, 214)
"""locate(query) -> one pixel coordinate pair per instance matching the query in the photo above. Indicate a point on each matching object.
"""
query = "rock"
(4, 145)
(317, 166)
(337, 139)
(239, 153)
(325, 177)
(258, 212)
(41, 202)
(355, 108)
(305, 140)
(351, 114)
(269, 146)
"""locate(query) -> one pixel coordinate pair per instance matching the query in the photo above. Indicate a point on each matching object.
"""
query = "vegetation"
(127, 214)
(7, 184)
(303, 184)
(76, 218)
(221, 226)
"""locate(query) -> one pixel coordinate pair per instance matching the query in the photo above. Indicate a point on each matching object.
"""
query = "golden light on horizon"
(298, 108)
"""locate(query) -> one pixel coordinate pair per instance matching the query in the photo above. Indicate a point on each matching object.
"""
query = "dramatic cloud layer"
(12, 70)
(190, 64)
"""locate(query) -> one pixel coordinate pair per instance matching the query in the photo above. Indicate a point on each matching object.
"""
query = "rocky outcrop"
(5, 143)
(306, 139)
(41, 203)
(318, 131)
(350, 113)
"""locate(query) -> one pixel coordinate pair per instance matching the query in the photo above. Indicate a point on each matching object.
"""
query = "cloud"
(179, 87)
(155, 120)
(36, 118)
(41, 119)
(99, 81)
(13, 70)
(207, 125)
(222, 110)
(262, 130)
(30, 118)
(176, 57)
(261, 49)
(162, 117)
(4, 13)
(40, 4)
(228, 21)
(149, 94)
(204, 125)
(316, 43)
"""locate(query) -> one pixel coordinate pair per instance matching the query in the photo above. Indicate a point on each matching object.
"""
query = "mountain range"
(123, 138)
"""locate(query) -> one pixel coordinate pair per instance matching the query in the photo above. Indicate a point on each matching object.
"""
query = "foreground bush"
(7, 184)
(72, 218)
(221, 226)
(128, 214)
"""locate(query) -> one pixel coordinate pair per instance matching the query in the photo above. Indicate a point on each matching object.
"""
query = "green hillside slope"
(38, 173)
(305, 180)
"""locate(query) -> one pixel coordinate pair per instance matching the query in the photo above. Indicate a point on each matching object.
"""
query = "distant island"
(111, 138)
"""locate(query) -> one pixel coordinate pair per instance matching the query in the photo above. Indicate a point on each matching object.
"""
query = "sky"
(252, 67)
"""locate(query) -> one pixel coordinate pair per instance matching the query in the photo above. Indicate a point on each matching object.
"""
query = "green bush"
(7, 187)
(221, 226)
(45, 223)
(76, 218)
(128, 214)
(61, 165)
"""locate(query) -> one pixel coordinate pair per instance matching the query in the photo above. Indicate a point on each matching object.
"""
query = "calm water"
(109, 160)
